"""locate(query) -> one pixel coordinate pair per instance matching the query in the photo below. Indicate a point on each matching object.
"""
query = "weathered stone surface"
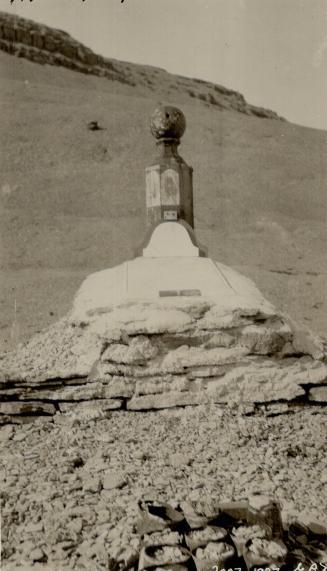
(118, 387)
(307, 371)
(194, 374)
(119, 353)
(15, 419)
(158, 385)
(187, 357)
(318, 394)
(137, 352)
(8, 32)
(100, 405)
(38, 39)
(34, 407)
(113, 388)
(91, 484)
(277, 408)
(220, 339)
(115, 385)
(217, 319)
(193, 338)
(61, 351)
(112, 480)
(179, 460)
(37, 554)
(116, 369)
(262, 340)
(6, 433)
(258, 383)
(166, 400)
(304, 341)
(143, 345)
(51, 44)
(179, 360)
(210, 371)
(236, 311)
(141, 318)
(76, 393)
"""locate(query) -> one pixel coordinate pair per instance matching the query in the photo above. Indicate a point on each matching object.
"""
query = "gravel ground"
(70, 485)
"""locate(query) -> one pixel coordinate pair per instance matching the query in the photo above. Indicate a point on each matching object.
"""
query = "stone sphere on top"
(167, 123)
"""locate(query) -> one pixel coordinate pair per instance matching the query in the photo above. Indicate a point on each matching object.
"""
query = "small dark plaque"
(170, 215)
(179, 292)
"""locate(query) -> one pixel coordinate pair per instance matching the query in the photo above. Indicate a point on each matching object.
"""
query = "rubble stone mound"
(146, 354)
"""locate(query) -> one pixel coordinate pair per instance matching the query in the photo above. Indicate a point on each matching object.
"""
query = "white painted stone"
(170, 239)
(184, 279)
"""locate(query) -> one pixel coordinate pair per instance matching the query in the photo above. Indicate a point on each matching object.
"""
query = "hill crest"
(45, 45)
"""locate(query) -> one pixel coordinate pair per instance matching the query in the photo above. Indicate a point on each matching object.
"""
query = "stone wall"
(145, 356)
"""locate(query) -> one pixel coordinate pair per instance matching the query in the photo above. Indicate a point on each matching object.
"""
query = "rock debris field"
(70, 487)
(97, 417)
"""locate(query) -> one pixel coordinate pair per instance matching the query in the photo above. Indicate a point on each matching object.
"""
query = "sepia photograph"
(163, 285)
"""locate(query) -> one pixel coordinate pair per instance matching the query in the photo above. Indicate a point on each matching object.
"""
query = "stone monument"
(171, 327)
(169, 190)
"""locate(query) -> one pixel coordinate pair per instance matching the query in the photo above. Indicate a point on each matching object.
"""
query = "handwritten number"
(299, 567)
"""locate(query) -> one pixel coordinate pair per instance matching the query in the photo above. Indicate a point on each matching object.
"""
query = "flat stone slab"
(99, 405)
(32, 407)
(167, 278)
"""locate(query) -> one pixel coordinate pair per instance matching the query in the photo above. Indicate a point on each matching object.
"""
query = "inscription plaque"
(179, 292)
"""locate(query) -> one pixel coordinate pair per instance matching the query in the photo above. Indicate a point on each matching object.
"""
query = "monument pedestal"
(160, 332)
(170, 269)
(169, 328)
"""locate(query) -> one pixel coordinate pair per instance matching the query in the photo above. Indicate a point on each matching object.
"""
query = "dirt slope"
(72, 200)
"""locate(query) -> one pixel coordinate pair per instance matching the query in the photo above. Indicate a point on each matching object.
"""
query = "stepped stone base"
(141, 355)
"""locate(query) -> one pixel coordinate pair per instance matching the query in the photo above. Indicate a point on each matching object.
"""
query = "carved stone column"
(169, 186)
